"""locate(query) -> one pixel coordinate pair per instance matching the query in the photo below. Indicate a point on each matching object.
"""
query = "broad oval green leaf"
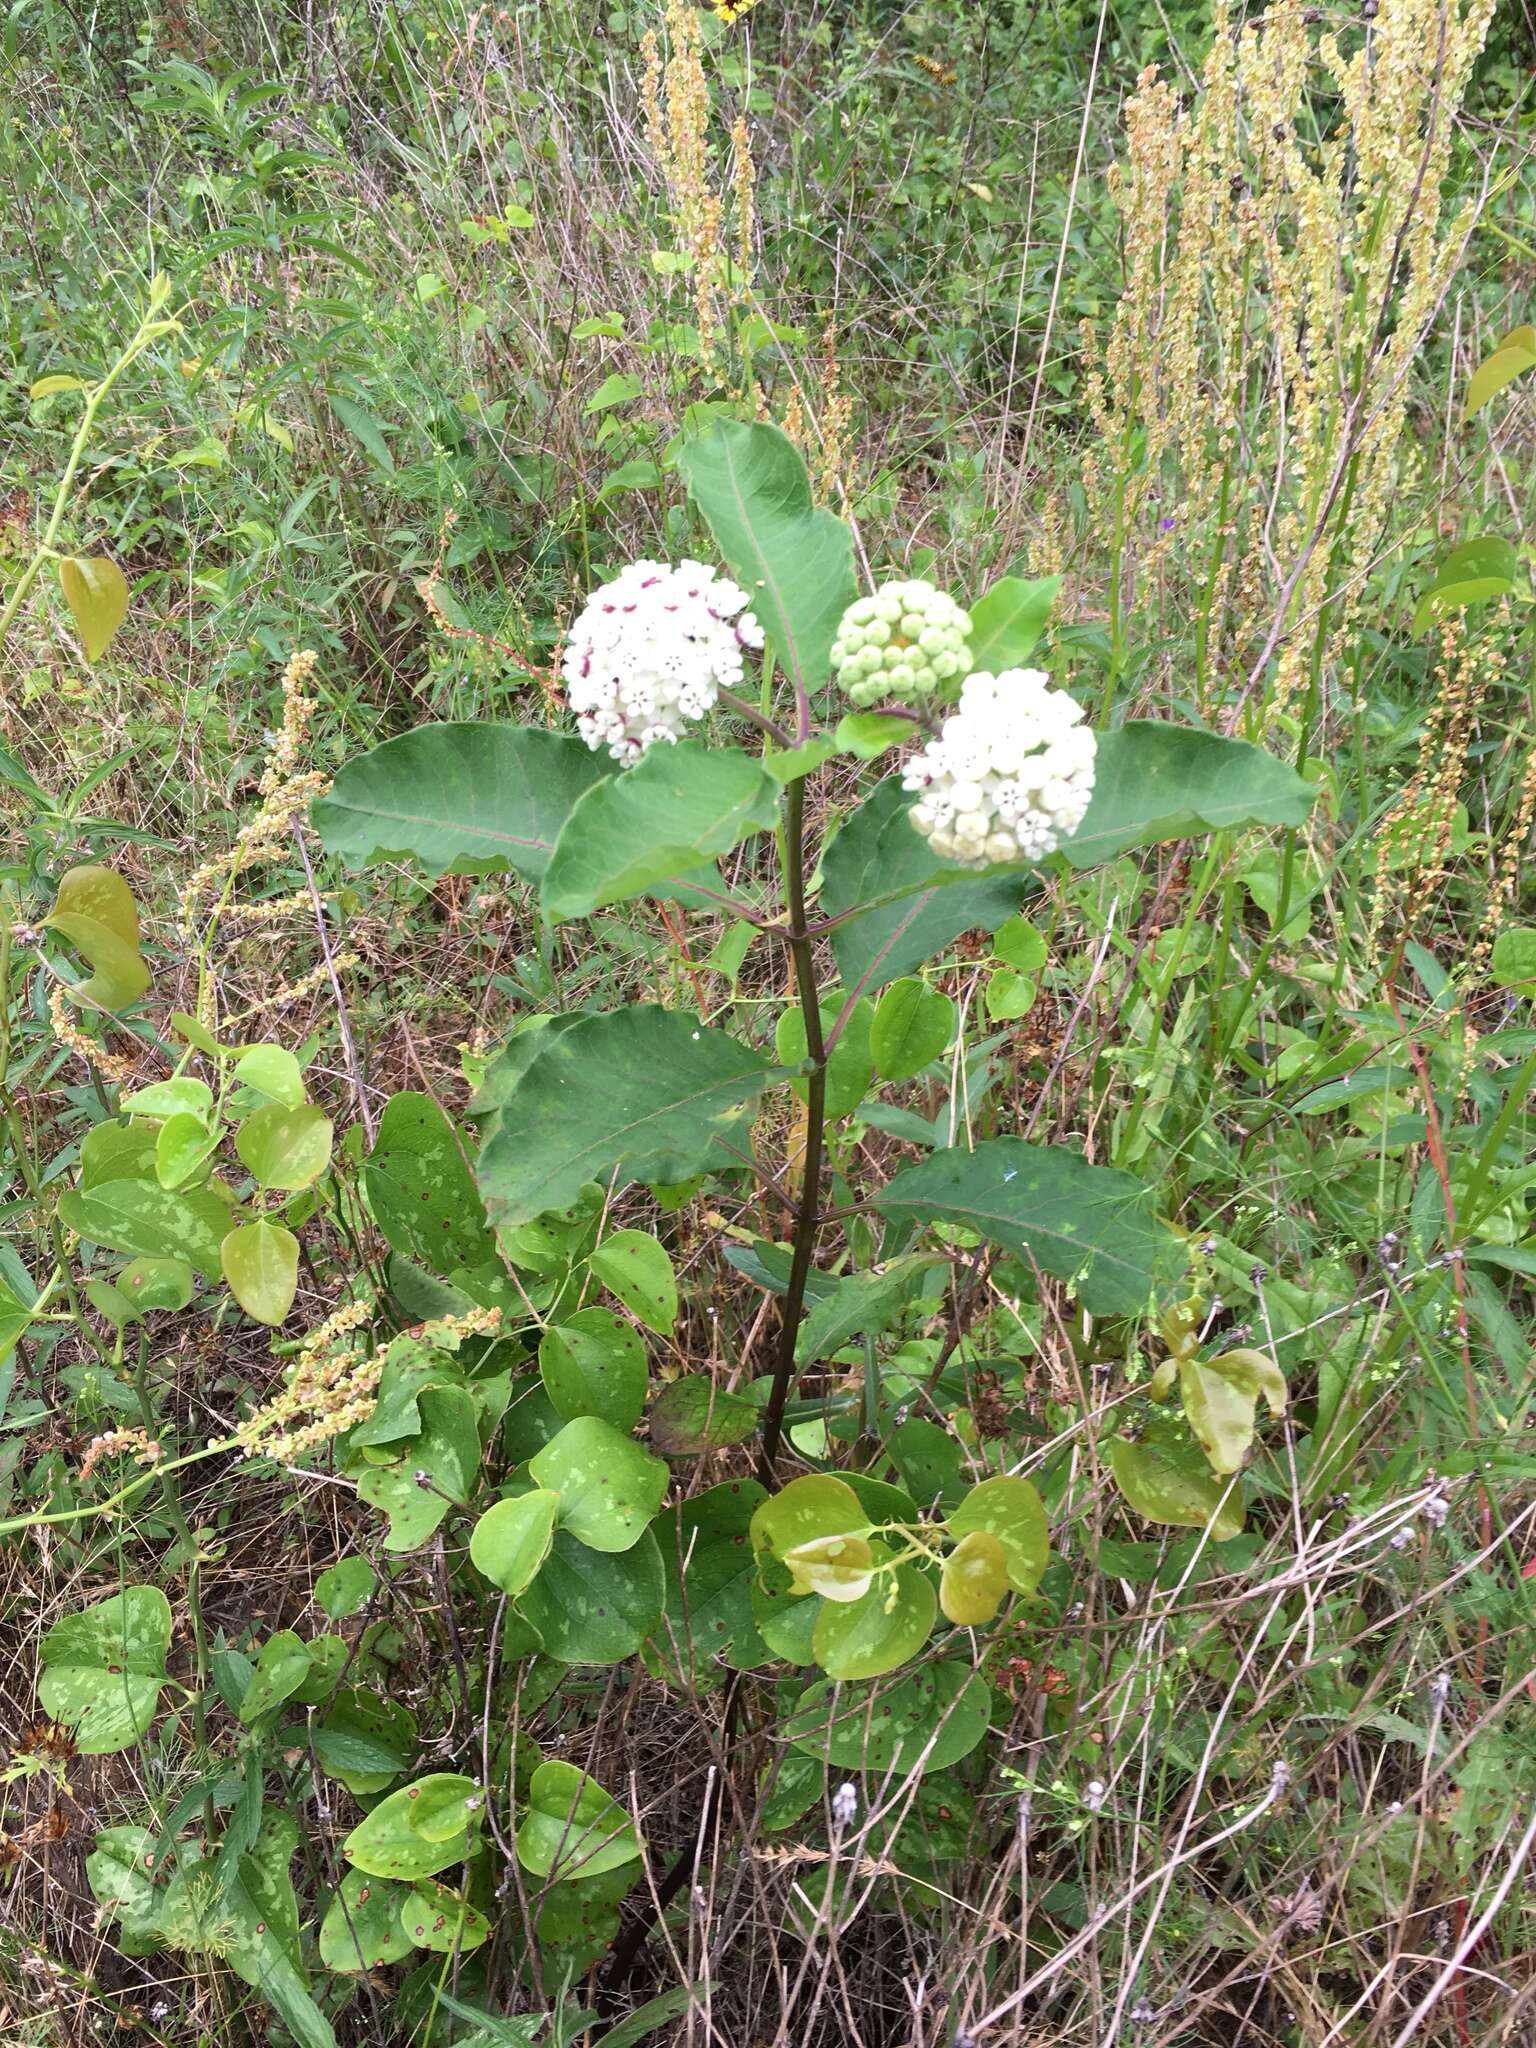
(1092, 1225)
(1172, 1487)
(592, 1364)
(974, 1579)
(661, 821)
(1154, 782)
(144, 1220)
(446, 1452)
(1008, 619)
(421, 1188)
(183, 1146)
(261, 1264)
(433, 1916)
(634, 1266)
(361, 1930)
(281, 1669)
(512, 1538)
(573, 1828)
(102, 1670)
(610, 1487)
(883, 1628)
(151, 1284)
(418, 1830)
(706, 1549)
(272, 1071)
(183, 1096)
(924, 1721)
(817, 1505)
(693, 1415)
(793, 558)
(470, 799)
(644, 1090)
(848, 1064)
(913, 1024)
(96, 592)
(285, 1148)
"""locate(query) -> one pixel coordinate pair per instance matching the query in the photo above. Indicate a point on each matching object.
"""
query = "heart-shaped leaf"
(632, 1265)
(883, 1628)
(572, 1827)
(362, 1927)
(1009, 1509)
(96, 592)
(512, 1539)
(924, 1721)
(261, 1264)
(285, 1148)
(593, 1364)
(95, 912)
(610, 1487)
(103, 1669)
(974, 1580)
(1171, 1486)
(418, 1830)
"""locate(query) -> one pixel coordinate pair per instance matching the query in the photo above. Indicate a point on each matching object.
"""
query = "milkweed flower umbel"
(902, 645)
(651, 651)
(1009, 776)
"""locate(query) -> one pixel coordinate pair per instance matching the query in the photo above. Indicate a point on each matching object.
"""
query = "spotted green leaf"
(610, 1487)
(102, 1669)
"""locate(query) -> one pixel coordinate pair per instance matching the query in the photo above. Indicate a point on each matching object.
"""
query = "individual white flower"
(901, 645)
(1009, 776)
(652, 650)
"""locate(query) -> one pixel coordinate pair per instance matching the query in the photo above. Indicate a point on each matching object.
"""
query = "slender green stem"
(150, 328)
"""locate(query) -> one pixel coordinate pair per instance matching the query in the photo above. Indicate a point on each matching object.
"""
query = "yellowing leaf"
(837, 1567)
(974, 1579)
(1515, 354)
(95, 912)
(1220, 1414)
(96, 592)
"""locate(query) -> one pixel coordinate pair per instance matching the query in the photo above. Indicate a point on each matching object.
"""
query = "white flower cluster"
(901, 645)
(1010, 775)
(652, 650)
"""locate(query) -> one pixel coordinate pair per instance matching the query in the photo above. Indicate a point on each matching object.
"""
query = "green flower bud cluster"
(902, 645)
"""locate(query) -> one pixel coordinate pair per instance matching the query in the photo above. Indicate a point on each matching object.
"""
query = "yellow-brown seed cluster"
(333, 1386)
(137, 1444)
(1284, 284)
(675, 96)
(1414, 843)
(330, 1387)
(286, 792)
(67, 1031)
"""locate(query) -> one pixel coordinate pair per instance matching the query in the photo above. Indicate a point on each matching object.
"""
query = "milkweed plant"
(859, 1542)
